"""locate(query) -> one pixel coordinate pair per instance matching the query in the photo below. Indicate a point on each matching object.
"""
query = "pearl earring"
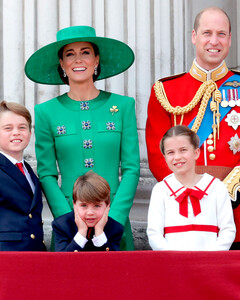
(64, 73)
(95, 70)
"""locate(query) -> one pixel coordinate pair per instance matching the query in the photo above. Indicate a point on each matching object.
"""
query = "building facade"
(158, 31)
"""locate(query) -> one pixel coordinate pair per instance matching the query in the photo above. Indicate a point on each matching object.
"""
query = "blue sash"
(205, 130)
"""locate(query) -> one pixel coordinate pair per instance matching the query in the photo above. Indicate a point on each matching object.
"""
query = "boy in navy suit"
(88, 227)
(20, 192)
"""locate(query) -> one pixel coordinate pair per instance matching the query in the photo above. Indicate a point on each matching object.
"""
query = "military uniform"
(224, 158)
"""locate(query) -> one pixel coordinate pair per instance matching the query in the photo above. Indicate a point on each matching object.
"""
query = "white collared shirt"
(98, 241)
(28, 176)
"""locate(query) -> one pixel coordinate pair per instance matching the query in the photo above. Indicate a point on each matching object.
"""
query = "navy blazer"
(21, 226)
(65, 228)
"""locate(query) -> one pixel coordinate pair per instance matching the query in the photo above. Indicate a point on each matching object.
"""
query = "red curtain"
(120, 275)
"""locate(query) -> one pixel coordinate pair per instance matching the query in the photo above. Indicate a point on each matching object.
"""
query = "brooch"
(110, 126)
(86, 125)
(113, 109)
(89, 162)
(61, 129)
(87, 144)
(84, 105)
(234, 144)
(233, 119)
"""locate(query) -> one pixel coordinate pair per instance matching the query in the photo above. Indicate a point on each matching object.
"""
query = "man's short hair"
(91, 188)
(198, 17)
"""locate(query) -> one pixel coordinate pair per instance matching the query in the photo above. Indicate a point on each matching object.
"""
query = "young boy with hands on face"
(88, 227)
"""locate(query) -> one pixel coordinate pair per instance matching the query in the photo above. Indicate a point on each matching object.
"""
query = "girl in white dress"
(188, 211)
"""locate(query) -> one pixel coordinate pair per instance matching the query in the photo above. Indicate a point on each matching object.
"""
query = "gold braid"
(204, 93)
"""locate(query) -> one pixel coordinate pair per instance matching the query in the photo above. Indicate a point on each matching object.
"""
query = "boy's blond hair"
(91, 188)
(18, 109)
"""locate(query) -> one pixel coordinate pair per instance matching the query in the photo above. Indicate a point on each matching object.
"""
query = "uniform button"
(107, 249)
(209, 142)
(210, 149)
(212, 156)
(32, 236)
(75, 251)
(30, 216)
(43, 242)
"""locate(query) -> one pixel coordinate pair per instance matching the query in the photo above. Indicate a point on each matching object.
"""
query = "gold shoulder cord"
(207, 90)
(232, 182)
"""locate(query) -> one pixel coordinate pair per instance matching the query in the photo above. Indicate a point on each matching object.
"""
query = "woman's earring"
(95, 70)
(64, 73)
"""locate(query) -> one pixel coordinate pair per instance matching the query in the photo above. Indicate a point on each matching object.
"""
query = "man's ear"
(194, 37)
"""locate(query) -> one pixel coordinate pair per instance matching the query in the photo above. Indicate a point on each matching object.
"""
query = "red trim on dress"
(191, 227)
(174, 193)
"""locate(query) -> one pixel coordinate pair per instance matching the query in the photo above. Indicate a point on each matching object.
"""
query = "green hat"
(114, 56)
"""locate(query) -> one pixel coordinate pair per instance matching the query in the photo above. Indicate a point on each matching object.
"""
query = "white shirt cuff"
(99, 240)
(80, 240)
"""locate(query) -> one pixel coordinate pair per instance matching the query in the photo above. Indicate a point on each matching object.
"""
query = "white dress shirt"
(28, 176)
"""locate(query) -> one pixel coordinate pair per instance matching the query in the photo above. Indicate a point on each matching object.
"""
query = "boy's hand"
(81, 225)
(102, 222)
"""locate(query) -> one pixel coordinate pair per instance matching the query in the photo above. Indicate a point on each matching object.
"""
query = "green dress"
(78, 136)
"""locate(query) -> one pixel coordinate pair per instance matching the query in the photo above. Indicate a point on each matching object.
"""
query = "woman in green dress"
(85, 128)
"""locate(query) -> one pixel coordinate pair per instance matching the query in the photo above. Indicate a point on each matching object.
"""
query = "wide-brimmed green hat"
(115, 56)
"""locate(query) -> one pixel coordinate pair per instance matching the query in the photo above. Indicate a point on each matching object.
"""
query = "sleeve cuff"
(80, 240)
(99, 240)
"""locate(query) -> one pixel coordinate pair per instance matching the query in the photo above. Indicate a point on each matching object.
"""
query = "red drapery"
(120, 275)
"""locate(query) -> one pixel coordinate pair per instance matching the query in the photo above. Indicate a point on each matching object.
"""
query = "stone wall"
(158, 31)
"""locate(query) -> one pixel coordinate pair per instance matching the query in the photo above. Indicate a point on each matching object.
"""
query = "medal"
(234, 144)
(237, 97)
(231, 101)
(224, 102)
(233, 119)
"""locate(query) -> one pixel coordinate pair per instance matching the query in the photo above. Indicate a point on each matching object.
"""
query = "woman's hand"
(102, 222)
